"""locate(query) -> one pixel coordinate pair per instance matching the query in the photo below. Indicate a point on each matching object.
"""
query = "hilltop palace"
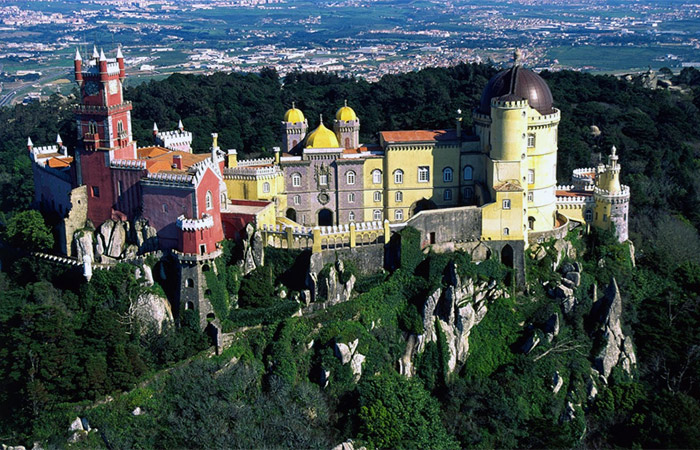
(494, 185)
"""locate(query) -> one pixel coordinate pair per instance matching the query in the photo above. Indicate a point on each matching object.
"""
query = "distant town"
(355, 38)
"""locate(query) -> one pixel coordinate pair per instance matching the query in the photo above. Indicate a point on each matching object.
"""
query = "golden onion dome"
(322, 137)
(294, 115)
(346, 113)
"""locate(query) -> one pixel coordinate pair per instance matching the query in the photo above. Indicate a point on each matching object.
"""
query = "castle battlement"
(624, 193)
(256, 162)
(139, 164)
(237, 173)
(206, 222)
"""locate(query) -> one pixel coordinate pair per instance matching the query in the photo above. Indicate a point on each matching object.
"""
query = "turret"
(214, 147)
(30, 144)
(95, 53)
(180, 126)
(155, 129)
(120, 61)
(103, 65)
(78, 67)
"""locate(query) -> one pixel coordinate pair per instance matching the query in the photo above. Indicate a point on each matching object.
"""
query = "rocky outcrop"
(253, 250)
(557, 382)
(152, 312)
(615, 347)
(348, 445)
(331, 287)
(115, 240)
(457, 310)
(565, 290)
(347, 353)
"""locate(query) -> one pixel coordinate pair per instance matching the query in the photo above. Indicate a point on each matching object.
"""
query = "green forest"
(68, 349)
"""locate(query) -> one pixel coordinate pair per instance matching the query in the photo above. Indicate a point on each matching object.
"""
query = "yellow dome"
(322, 137)
(294, 115)
(346, 113)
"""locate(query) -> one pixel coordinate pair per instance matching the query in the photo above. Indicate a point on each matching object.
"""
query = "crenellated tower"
(611, 198)
(103, 121)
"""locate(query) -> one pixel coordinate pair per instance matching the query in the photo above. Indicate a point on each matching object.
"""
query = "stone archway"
(325, 217)
(423, 204)
(507, 255)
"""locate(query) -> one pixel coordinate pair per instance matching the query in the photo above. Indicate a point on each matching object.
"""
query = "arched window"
(589, 215)
(350, 176)
(530, 176)
(351, 216)
(506, 232)
(468, 193)
(165, 207)
(531, 223)
(377, 196)
(506, 204)
(399, 196)
(377, 214)
(447, 174)
(209, 200)
(398, 176)
(468, 173)
(189, 282)
(92, 127)
(447, 195)
(351, 197)
(376, 176)
(266, 187)
(398, 214)
(296, 179)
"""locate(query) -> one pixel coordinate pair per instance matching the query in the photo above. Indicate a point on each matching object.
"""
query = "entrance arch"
(507, 255)
(325, 217)
(423, 204)
(291, 214)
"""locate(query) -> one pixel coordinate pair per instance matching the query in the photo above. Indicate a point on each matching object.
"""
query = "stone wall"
(74, 220)
(368, 259)
(438, 226)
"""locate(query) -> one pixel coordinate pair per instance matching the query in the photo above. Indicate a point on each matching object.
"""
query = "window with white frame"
(398, 196)
(351, 197)
(296, 179)
(323, 179)
(377, 196)
(447, 174)
(530, 196)
(266, 187)
(297, 199)
(468, 173)
(530, 176)
(377, 214)
(351, 216)
(506, 232)
(350, 177)
(447, 194)
(398, 176)
(209, 200)
(589, 215)
(530, 140)
(398, 214)
(423, 174)
(376, 176)
(506, 204)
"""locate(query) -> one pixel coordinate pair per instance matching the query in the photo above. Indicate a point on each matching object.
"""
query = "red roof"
(164, 162)
(418, 136)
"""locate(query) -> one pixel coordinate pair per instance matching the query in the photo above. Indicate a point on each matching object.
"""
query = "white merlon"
(128, 163)
(204, 223)
(255, 162)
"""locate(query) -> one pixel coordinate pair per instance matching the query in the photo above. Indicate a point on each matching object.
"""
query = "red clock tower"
(104, 129)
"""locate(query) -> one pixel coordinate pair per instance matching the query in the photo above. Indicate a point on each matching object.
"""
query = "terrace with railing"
(326, 237)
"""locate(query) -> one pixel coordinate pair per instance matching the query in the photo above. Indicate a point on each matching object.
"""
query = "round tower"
(612, 199)
(347, 127)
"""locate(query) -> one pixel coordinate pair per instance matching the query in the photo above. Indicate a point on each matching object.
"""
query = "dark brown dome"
(518, 82)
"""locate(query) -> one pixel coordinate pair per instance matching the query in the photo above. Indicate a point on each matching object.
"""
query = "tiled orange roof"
(574, 193)
(151, 152)
(57, 163)
(418, 136)
(165, 162)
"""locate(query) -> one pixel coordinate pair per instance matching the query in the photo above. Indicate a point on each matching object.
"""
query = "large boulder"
(615, 347)
(84, 244)
(152, 311)
(347, 353)
(332, 288)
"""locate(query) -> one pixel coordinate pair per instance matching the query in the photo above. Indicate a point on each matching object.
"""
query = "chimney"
(177, 162)
(277, 154)
(232, 158)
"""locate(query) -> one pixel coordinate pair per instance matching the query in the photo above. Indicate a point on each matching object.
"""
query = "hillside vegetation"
(66, 344)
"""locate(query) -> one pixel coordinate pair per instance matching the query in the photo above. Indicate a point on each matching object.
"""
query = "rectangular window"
(423, 174)
(95, 191)
(506, 204)
(605, 217)
(351, 197)
(323, 179)
(530, 196)
(297, 199)
(530, 140)
(447, 194)
(530, 176)
(119, 188)
(377, 196)
(202, 249)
